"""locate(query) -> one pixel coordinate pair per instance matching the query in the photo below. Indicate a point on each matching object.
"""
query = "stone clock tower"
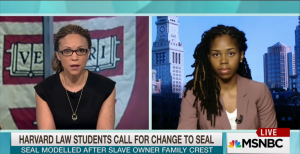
(168, 56)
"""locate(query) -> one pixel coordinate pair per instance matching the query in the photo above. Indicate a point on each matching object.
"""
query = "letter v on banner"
(265, 140)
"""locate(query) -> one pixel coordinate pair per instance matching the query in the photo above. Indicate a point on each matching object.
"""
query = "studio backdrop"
(120, 47)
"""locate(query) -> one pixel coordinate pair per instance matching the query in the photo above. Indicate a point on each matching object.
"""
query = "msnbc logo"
(236, 143)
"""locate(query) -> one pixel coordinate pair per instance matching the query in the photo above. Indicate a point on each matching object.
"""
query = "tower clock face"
(162, 29)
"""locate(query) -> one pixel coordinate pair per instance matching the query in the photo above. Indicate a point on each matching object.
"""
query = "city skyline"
(258, 33)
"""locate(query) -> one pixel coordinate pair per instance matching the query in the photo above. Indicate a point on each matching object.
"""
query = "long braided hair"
(205, 84)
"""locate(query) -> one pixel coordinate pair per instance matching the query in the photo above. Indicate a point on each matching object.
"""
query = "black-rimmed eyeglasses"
(69, 52)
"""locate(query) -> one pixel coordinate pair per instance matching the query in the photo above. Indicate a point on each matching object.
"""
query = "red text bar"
(273, 132)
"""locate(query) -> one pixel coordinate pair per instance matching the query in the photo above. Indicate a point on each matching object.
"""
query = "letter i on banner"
(265, 140)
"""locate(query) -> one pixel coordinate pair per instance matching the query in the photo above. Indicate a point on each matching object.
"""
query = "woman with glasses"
(74, 98)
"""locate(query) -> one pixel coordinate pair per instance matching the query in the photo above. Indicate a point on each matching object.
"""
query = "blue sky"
(261, 33)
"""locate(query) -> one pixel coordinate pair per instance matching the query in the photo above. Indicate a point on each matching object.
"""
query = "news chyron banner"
(120, 47)
(265, 140)
(91, 143)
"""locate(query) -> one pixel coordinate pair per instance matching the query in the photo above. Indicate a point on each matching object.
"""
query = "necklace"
(74, 115)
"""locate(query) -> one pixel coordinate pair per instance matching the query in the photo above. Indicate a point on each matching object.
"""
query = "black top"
(96, 90)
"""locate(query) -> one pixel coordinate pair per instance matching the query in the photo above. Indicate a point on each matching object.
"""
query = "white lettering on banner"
(268, 132)
(201, 149)
(174, 149)
(119, 150)
(251, 143)
(114, 139)
(146, 150)
(94, 150)
(61, 150)
(29, 150)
